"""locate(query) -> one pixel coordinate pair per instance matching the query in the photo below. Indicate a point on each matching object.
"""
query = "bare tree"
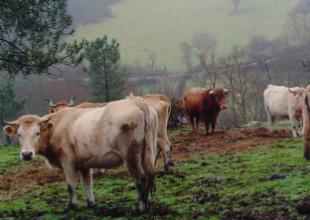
(152, 56)
(205, 43)
(210, 74)
(236, 4)
(298, 28)
(187, 54)
(260, 51)
(239, 79)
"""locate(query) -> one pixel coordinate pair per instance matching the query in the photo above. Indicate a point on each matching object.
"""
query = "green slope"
(268, 183)
(161, 25)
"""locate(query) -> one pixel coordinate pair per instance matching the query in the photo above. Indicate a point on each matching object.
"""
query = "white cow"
(76, 140)
(280, 102)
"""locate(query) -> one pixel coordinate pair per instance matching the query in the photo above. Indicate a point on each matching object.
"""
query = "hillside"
(145, 25)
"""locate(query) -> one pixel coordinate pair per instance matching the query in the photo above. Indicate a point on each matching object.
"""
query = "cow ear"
(226, 91)
(45, 123)
(10, 130)
(296, 91)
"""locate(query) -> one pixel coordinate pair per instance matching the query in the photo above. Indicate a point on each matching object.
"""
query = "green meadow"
(267, 183)
(142, 26)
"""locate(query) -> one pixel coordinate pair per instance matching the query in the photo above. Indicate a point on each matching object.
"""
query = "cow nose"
(27, 155)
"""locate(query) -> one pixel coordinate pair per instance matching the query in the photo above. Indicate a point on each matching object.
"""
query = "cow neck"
(209, 105)
(307, 103)
(47, 150)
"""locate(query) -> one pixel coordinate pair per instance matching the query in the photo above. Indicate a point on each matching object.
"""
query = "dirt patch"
(225, 141)
(16, 184)
(13, 184)
(248, 209)
(303, 207)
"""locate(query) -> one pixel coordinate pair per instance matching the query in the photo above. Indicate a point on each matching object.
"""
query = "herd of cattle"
(133, 131)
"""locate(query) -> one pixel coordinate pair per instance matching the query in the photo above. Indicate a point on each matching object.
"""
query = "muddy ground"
(225, 141)
(16, 183)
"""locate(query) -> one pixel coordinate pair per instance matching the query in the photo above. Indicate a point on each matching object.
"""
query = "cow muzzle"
(28, 155)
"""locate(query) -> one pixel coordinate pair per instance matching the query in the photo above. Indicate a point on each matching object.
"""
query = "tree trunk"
(181, 86)
(7, 138)
(107, 87)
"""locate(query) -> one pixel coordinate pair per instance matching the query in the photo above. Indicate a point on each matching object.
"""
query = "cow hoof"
(171, 163)
(307, 156)
(70, 207)
(168, 165)
(91, 204)
(141, 207)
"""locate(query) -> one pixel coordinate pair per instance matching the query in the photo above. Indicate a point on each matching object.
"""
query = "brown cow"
(76, 140)
(160, 103)
(204, 105)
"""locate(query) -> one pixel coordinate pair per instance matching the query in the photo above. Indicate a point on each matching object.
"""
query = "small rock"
(277, 177)
(204, 164)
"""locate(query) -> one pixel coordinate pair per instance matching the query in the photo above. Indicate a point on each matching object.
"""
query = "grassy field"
(161, 25)
(267, 182)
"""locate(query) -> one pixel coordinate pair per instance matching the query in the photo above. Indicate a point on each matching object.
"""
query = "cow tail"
(149, 147)
(149, 153)
(169, 107)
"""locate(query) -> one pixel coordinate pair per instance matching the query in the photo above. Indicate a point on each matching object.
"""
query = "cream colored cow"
(160, 103)
(281, 103)
(76, 140)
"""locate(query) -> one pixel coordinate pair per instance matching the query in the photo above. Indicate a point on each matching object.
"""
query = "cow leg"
(212, 127)
(71, 178)
(294, 123)
(142, 194)
(271, 121)
(87, 182)
(164, 145)
(197, 125)
(300, 127)
(191, 119)
(134, 165)
(207, 126)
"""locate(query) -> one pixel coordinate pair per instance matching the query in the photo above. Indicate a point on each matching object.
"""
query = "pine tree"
(31, 36)
(9, 105)
(107, 76)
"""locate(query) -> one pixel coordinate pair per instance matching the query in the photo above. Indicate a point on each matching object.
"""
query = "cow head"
(296, 91)
(30, 130)
(219, 95)
(59, 105)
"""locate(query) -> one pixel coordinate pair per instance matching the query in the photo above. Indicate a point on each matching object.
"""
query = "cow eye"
(38, 133)
(18, 135)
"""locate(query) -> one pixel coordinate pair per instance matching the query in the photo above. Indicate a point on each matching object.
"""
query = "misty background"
(168, 46)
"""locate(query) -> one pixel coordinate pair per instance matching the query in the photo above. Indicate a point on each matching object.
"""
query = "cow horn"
(49, 100)
(225, 90)
(13, 123)
(71, 102)
(45, 118)
(211, 92)
(296, 91)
